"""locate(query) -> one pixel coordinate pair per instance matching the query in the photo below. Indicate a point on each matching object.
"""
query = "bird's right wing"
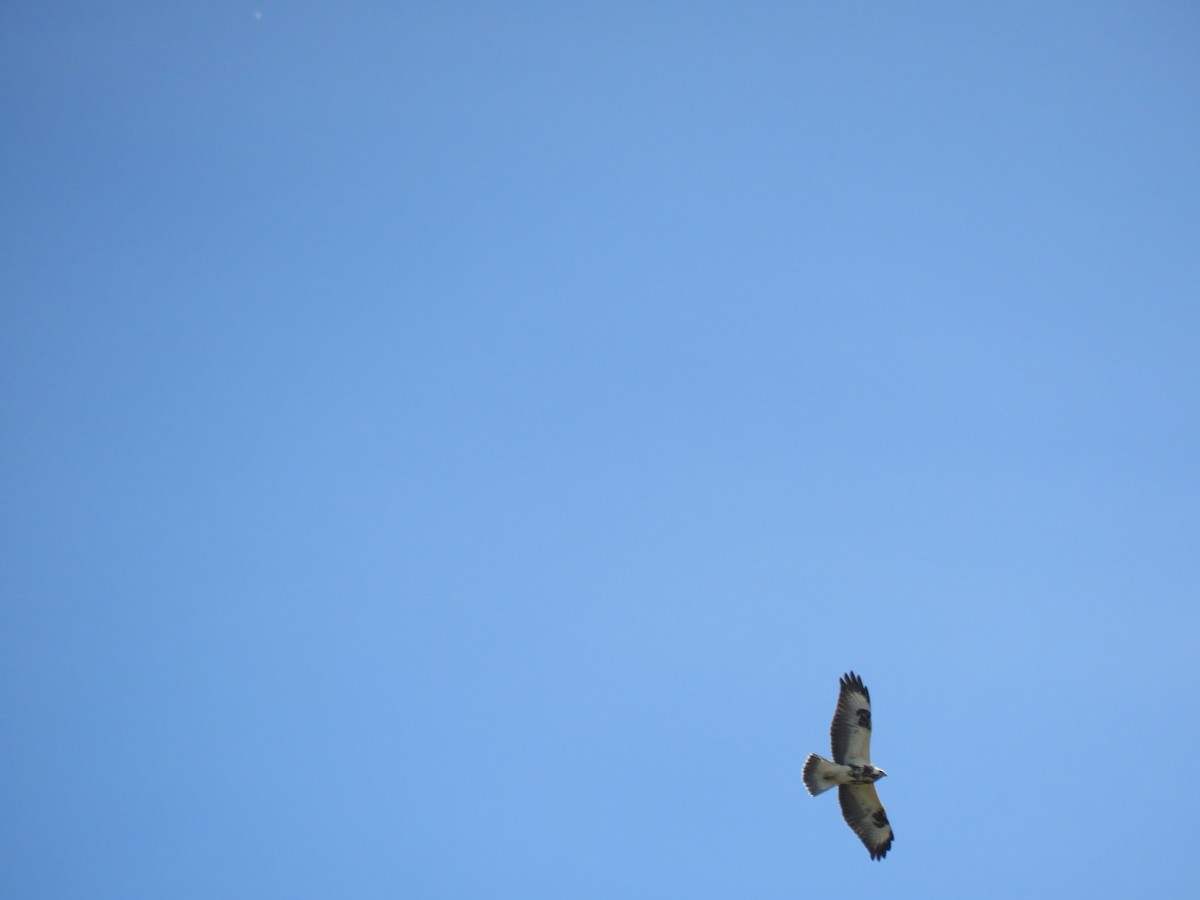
(850, 733)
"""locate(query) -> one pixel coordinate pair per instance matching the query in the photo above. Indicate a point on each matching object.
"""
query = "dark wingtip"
(855, 683)
(882, 850)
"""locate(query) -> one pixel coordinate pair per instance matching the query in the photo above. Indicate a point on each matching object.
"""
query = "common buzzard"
(851, 769)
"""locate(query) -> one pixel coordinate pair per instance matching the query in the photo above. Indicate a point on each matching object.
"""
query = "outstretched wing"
(865, 815)
(851, 729)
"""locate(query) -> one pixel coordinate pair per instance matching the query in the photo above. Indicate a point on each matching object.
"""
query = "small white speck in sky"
(258, 14)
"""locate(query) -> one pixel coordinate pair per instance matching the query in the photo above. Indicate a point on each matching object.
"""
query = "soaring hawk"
(851, 769)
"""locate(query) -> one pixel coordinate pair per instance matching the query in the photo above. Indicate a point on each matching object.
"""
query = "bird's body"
(851, 770)
(820, 774)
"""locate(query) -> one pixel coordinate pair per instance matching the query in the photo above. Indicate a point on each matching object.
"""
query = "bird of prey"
(851, 768)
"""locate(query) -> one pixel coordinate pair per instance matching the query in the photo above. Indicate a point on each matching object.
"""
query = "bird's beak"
(882, 774)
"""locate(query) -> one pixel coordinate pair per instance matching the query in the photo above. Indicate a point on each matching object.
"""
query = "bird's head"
(879, 773)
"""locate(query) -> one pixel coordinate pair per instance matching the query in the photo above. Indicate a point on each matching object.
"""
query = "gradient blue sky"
(452, 450)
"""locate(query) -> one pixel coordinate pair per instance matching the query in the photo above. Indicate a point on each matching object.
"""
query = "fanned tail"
(818, 776)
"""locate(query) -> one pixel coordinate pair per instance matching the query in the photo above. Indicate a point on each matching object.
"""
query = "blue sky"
(452, 450)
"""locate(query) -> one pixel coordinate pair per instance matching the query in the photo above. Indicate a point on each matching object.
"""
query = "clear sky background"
(453, 449)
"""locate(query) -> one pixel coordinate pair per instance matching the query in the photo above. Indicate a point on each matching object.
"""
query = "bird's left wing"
(865, 815)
